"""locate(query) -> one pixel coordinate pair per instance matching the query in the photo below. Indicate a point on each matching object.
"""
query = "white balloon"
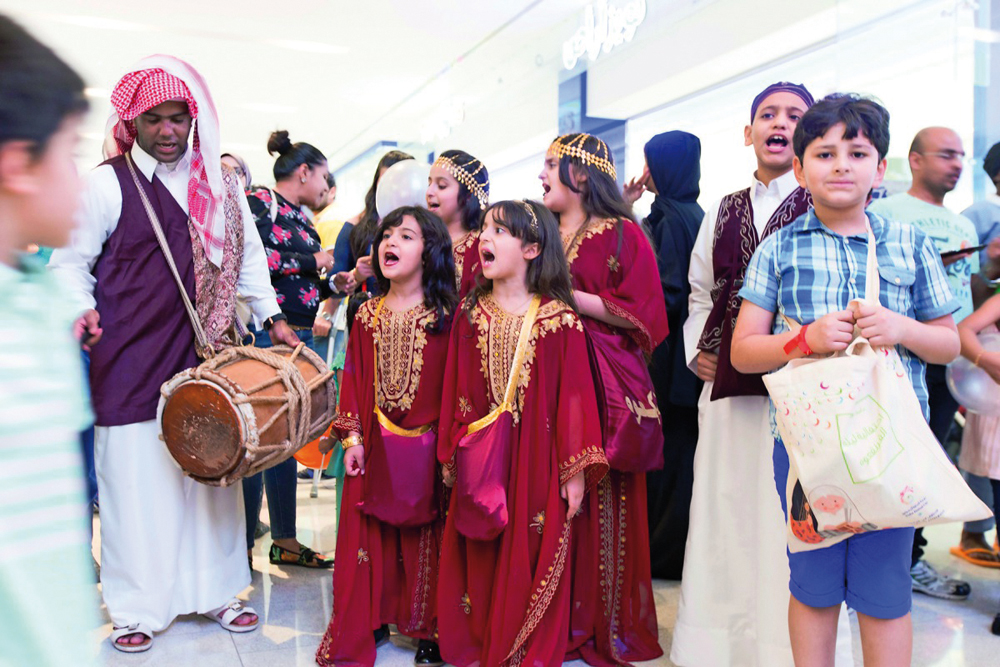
(972, 386)
(402, 184)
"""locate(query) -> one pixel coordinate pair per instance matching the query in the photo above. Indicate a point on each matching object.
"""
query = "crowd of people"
(501, 500)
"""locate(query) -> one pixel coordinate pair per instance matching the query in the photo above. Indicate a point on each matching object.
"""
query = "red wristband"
(799, 341)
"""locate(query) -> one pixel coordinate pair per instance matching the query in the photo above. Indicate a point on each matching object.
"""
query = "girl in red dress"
(617, 289)
(520, 444)
(390, 519)
(458, 190)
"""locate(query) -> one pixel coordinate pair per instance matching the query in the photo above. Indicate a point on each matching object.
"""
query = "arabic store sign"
(604, 27)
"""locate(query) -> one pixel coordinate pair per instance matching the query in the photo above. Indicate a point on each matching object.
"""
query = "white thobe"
(734, 592)
(169, 545)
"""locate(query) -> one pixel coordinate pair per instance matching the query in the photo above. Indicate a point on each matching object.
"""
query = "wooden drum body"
(244, 410)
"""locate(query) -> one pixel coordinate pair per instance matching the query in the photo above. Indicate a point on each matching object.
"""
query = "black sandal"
(305, 558)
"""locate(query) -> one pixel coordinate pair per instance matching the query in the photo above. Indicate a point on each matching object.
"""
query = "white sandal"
(230, 612)
(134, 629)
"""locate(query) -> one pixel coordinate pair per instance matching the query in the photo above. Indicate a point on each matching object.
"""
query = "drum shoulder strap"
(199, 331)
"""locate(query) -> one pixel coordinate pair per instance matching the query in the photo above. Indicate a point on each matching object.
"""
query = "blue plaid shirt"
(806, 271)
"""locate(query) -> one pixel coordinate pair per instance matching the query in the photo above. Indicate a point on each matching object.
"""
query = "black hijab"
(674, 164)
(674, 160)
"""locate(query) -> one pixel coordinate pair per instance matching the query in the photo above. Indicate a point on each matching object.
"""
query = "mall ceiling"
(339, 74)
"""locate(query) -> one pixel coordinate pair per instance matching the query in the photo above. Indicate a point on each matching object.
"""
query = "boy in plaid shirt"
(810, 271)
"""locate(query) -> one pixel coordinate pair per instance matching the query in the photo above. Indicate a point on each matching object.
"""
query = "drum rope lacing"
(298, 398)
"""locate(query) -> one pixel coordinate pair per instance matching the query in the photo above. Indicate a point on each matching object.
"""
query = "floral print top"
(290, 242)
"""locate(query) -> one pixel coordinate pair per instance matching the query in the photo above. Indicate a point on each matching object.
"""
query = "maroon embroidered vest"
(147, 335)
(734, 244)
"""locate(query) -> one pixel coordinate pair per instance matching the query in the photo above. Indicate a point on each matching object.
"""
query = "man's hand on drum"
(354, 457)
(282, 333)
(87, 329)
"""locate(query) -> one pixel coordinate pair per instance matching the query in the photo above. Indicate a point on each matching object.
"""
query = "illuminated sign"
(604, 27)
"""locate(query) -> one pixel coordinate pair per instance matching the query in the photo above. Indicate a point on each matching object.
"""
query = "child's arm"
(935, 341)
(592, 305)
(757, 350)
(972, 349)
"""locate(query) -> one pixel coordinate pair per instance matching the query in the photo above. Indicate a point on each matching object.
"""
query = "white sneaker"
(929, 581)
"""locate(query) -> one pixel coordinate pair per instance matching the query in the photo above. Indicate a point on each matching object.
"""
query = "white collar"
(147, 164)
(782, 186)
(993, 198)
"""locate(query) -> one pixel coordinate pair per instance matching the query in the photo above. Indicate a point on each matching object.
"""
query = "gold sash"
(515, 371)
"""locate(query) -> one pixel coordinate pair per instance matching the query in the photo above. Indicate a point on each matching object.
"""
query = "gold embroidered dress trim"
(399, 342)
(458, 251)
(513, 359)
(571, 245)
(592, 459)
(497, 345)
(542, 596)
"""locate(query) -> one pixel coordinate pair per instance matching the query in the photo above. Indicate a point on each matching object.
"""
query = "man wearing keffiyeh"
(169, 545)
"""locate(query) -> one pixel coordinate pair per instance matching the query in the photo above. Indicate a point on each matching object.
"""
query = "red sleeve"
(349, 406)
(634, 292)
(578, 431)
(448, 441)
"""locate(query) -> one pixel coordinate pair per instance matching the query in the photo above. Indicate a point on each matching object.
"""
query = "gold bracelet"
(351, 441)
(978, 357)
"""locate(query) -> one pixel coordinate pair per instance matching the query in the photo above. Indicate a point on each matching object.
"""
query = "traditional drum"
(244, 410)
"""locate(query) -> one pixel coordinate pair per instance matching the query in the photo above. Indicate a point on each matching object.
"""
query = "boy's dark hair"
(363, 233)
(548, 274)
(38, 91)
(290, 155)
(467, 202)
(438, 262)
(860, 115)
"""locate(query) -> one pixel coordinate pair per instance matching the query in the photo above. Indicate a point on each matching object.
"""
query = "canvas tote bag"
(861, 455)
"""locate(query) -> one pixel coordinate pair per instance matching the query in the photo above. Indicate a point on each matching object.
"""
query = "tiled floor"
(295, 603)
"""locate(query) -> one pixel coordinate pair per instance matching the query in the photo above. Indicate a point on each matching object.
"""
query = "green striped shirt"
(46, 579)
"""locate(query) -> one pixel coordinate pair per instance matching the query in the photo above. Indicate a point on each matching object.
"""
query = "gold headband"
(531, 212)
(574, 148)
(481, 192)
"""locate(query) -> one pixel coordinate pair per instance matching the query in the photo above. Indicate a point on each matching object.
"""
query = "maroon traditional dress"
(384, 574)
(506, 601)
(614, 613)
(466, 254)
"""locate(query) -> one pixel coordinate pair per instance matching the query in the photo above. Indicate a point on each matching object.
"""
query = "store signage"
(605, 26)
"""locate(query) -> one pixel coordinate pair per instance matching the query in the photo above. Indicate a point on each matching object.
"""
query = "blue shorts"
(869, 571)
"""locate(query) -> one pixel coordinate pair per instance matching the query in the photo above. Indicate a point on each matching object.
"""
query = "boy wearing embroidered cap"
(741, 616)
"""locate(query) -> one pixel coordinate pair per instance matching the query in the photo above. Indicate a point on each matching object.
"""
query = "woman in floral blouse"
(298, 264)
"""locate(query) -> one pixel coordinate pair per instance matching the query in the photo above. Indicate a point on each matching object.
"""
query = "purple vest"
(735, 242)
(147, 335)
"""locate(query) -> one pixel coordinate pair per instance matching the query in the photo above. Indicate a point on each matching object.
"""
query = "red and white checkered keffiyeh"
(160, 79)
